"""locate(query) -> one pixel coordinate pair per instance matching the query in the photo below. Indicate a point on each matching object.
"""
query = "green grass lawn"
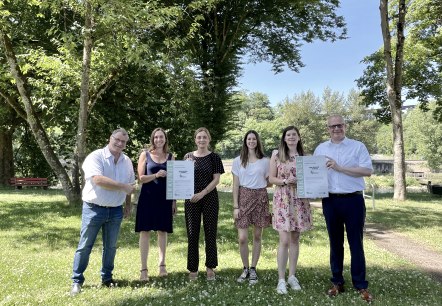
(39, 234)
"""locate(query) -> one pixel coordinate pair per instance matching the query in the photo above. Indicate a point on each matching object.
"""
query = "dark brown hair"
(244, 155)
(283, 150)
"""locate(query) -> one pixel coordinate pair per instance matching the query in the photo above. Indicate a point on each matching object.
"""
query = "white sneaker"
(253, 277)
(282, 287)
(244, 275)
(75, 289)
(294, 283)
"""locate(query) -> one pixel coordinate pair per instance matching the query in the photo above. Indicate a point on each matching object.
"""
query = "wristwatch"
(284, 182)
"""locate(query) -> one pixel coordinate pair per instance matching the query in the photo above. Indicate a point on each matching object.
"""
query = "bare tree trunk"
(37, 129)
(6, 156)
(394, 87)
(80, 150)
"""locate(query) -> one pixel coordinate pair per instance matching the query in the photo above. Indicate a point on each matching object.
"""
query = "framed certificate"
(179, 179)
(311, 173)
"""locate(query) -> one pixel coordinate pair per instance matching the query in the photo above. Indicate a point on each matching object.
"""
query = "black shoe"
(109, 283)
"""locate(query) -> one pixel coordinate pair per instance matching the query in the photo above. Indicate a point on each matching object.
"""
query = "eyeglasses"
(119, 140)
(334, 126)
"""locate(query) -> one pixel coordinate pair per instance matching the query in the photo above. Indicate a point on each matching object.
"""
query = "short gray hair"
(120, 130)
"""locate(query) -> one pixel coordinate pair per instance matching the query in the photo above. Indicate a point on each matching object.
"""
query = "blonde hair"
(205, 130)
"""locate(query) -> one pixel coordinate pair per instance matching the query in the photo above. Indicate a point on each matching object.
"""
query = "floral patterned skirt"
(290, 213)
(253, 208)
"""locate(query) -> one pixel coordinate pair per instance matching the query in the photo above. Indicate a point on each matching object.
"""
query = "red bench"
(19, 182)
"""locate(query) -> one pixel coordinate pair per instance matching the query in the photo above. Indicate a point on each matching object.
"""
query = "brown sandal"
(163, 271)
(144, 278)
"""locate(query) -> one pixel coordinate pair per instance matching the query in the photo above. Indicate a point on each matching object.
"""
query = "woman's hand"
(198, 196)
(161, 173)
(291, 180)
(235, 213)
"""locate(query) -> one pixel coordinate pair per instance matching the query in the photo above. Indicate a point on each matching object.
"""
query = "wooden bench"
(19, 182)
(417, 174)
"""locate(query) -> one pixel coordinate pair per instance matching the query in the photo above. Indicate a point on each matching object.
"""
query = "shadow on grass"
(54, 224)
(386, 285)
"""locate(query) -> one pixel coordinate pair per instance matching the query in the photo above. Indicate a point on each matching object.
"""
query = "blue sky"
(335, 65)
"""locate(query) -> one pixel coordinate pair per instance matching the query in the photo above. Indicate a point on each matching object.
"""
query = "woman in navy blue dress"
(154, 212)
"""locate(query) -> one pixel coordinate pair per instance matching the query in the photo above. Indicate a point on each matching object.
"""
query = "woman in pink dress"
(291, 215)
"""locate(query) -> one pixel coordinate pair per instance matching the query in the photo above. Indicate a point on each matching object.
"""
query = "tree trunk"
(394, 88)
(37, 129)
(6, 156)
(80, 149)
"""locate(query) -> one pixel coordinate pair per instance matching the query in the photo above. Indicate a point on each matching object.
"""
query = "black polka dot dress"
(206, 209)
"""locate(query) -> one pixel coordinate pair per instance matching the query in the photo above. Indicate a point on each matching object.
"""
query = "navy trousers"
(348, 212)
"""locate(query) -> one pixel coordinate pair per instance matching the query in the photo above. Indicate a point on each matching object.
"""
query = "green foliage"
(384, 140)
(28, 161)
(421, 78)
(425, 135)
(362, 125)
(254, 113)
(304, 112)
(387, 181)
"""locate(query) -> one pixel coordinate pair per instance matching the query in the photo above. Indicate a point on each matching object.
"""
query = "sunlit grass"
(39, 234)
(419, 218)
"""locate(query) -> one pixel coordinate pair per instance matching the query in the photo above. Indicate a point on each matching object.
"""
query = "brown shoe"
(365, 295)
(335, 290)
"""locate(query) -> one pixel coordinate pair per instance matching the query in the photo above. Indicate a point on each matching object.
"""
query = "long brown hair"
(259, 151)
(151, 145)
(283, 150)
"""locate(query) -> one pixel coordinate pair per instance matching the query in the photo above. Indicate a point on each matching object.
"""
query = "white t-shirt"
(254, 175)
(348, 153)
(101, 162)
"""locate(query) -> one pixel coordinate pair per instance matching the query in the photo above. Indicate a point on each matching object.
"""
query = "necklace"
(292, 157)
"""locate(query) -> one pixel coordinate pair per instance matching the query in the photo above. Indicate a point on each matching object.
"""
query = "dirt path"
(413, 251)
(417, 253)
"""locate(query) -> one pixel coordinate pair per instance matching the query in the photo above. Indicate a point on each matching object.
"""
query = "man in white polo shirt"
(110, 179)
(348, 161)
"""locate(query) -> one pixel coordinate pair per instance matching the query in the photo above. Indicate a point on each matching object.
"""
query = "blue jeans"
(94, 218)
(348, 212)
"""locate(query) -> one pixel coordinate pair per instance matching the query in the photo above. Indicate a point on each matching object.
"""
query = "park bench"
(434, 189)
(417, 174)
(19, 182)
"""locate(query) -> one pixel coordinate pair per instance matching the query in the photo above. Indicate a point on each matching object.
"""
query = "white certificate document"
(311, 173)
(180, 183)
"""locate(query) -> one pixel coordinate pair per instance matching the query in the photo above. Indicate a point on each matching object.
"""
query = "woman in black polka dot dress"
(205, 203)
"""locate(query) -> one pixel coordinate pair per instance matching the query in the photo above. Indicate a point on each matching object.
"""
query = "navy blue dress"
(154, 212)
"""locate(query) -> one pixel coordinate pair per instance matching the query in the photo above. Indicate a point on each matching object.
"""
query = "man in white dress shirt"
(348, 161)
(110, 179)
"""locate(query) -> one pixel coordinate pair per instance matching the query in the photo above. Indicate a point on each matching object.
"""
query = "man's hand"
(129, 188)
